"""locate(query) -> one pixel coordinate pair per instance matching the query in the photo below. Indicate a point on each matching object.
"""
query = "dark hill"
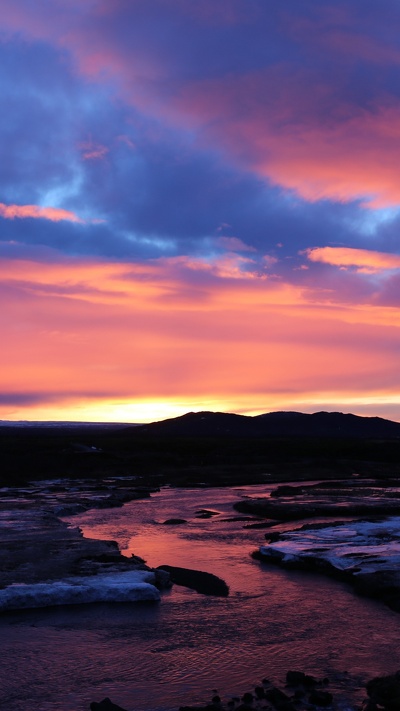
(207, 448)
(273, 424)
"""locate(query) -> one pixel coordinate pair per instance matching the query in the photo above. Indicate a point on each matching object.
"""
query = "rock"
(385, 691)
(279, 699)
(206, 513)
(247, 698)
(320, 698)
(299, 694)
(105, 705)
(162, 579)
(273, 536)
(297, 678)
(174, 521)
(205, 583)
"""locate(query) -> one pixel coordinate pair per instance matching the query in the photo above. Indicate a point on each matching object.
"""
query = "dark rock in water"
(70, 509)
(205, 583)
(299, 694)
(297, 678)
(247, 698)
(385, 691)
(320, 698)
(105, 705)
(272, 537)
(174, 521)
(208, 707)
(279, 699)
(162, 579)
(260, 692)
(263, 523)
(206, 513)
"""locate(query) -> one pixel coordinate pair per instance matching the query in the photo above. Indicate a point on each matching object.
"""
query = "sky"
(199, 208)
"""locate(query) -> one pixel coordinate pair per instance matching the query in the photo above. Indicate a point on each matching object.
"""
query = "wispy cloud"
(149, 330)
(363, 260)
(93, 151)
(54, 214)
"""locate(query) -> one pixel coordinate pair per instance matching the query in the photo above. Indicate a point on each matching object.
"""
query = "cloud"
(148, 330)
(363, 260)
(93, 151)
(234, 244)
(54, 214)
(298, 121)
(211, 137)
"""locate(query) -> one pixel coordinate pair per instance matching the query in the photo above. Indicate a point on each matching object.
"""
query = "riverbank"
(36, 546)
(45, 562)
(362, 548)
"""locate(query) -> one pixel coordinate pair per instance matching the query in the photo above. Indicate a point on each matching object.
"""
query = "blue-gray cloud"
(119, 147)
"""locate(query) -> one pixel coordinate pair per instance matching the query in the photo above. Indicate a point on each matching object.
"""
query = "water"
(154, 657)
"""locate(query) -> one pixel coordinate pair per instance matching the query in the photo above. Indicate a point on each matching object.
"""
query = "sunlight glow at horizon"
(155, 411)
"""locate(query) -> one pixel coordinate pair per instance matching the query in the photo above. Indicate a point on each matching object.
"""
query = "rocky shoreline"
(44, 561)
(302, 692)
(361, 548)
(35, 526)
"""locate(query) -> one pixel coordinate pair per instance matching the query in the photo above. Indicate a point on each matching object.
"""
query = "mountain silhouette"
(272, 424)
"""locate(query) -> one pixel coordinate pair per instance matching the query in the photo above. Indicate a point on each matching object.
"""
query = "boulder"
(385, 691)
(320, 698)
(298, 678)
(279, 699)
(206, 513)
(205, 583)
(247, 698)
(105, 705)
(174, 521)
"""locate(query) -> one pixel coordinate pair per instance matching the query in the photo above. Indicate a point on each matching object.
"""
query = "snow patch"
(127, 586)
(358, 546)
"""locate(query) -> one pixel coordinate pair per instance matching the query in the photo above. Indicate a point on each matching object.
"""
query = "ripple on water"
(159, 657)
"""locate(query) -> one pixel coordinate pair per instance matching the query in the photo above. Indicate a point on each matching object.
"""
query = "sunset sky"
(199, 207)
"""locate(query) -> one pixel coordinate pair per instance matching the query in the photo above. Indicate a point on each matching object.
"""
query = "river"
(156, 657)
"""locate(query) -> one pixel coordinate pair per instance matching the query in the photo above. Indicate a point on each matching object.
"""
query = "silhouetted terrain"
(274, 424)
(205, 448)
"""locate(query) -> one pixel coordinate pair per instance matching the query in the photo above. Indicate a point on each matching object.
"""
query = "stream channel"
(156, 657)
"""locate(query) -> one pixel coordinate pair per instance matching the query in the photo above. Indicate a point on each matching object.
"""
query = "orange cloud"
(363, 259)
(95, 337)
(55, 214)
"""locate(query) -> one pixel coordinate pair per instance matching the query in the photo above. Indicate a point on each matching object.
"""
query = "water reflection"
(153, 657)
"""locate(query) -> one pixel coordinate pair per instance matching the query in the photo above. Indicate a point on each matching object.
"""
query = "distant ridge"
(273, 424)
(63, 424)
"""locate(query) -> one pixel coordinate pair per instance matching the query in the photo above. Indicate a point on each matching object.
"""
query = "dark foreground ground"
(158, 458)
